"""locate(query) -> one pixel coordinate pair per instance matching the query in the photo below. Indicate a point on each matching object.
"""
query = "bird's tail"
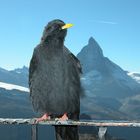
(66, 132)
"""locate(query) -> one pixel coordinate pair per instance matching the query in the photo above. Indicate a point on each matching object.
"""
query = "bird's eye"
(57, 26)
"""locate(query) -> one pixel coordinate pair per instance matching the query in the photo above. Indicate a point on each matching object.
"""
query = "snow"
(89, 78)
(134, 75)
(18, 72)
(94, 75)
(11, 87)
(126, 79)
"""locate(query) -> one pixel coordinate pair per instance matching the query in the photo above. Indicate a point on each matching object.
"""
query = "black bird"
(54, 80)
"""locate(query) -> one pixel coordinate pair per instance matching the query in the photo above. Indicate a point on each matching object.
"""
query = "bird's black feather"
(75, 60)
(54, 79)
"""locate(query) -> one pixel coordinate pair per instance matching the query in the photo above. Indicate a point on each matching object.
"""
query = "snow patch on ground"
(11, 87)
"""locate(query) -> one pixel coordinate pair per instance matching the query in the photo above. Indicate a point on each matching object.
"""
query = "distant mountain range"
(110, 91)
(18, 76)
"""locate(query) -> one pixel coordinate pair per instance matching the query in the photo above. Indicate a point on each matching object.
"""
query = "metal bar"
(104, 123)
(102, 132)
(34, 132)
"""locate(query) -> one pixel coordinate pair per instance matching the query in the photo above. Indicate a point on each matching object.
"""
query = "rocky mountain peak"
(91, 56)
(91, 40)
(94, 47)
(24, 70)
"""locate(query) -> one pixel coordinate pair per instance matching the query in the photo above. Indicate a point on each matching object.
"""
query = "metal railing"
(102, 124)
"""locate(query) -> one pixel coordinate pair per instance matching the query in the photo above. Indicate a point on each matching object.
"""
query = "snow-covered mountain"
(135, 76)
(18, 76)
(23, 70)
(109, 89)
(102, 77)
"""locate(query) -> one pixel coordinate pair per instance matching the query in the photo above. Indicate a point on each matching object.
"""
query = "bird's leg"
(43, 118)
(64, 117)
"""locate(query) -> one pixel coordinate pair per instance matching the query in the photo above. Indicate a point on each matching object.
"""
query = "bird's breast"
(52, 64)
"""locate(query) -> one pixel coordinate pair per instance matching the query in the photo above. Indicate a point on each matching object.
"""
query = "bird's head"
(55, 29)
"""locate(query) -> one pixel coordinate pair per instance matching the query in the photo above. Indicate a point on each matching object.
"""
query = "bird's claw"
(43, 118)
(63, 118)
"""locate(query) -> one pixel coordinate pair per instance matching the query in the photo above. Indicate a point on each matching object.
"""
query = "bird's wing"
(33, 65)
(75, 59)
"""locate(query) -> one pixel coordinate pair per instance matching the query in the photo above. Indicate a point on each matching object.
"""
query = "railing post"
(34, 132)
(102, 132)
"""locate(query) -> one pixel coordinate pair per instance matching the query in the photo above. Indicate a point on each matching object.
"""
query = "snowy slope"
(11, 87)
(135, 76)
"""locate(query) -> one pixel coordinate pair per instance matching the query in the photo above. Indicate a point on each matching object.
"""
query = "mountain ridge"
(17, 76)
(109, 73)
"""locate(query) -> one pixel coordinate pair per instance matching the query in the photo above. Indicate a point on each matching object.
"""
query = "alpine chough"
(54, 79)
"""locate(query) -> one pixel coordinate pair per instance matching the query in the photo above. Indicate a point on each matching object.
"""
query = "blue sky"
(115, 25)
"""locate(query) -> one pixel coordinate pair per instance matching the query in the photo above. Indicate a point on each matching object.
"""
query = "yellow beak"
(68, 25)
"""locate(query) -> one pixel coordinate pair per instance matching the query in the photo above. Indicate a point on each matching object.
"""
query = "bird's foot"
(43, 118)
(63, 118)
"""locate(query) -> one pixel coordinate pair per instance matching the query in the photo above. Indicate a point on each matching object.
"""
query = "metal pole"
(102, 132)
(34, 132)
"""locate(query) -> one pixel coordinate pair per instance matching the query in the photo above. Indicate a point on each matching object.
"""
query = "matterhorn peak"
(91, 40)
(94, 47)
(91, 55)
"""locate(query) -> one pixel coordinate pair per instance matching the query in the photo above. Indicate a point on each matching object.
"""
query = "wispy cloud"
(104, 22)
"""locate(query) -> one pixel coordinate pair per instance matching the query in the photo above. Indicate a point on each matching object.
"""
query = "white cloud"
(104, 22)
